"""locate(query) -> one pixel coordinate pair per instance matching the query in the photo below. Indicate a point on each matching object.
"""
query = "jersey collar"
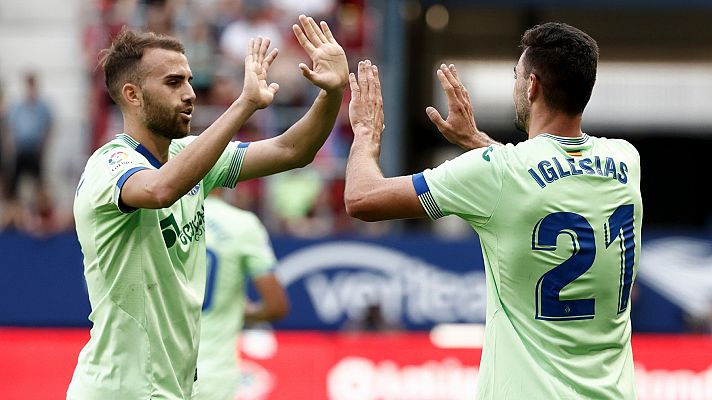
(139, 148)
(568, 141)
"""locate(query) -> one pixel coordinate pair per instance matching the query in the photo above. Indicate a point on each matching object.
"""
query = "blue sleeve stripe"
(425, 197)
(120, 184)
(235, 165)
(421, 186)
(127, 175)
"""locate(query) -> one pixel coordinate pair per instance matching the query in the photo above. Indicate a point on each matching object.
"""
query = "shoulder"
(618, 144)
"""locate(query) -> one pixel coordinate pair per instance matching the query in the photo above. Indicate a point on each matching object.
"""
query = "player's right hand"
(255, 90)
(460, 127)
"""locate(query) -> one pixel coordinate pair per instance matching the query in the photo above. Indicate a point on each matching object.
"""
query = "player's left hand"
(330, 68)
(366, 106)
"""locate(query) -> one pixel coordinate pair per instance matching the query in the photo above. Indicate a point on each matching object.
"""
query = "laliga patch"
(116, 160)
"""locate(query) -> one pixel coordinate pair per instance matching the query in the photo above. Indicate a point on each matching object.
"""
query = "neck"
(555, 123)
(157, 145)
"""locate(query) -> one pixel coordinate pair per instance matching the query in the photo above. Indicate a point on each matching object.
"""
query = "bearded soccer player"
(558, 216)
(139, 204)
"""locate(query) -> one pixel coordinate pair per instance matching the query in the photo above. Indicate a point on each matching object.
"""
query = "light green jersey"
(238, 248)
(559, 221)
(145, 273)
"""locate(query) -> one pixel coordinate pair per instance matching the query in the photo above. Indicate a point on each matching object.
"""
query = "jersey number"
(619, 225)
(210, 280)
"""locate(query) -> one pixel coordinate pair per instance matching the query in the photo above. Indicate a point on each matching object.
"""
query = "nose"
(189, 94)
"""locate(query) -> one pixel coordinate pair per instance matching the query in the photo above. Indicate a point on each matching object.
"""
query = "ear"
(534, 87)
(132, 95)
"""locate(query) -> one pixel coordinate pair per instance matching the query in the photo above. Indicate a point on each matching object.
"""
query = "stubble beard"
(163, 120)
(522, 114)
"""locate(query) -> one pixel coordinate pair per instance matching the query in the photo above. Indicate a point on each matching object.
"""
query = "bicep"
(388, 198)
(137, 189)
(266, 157)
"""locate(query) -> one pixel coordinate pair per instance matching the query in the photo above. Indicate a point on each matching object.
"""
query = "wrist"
(245, 104)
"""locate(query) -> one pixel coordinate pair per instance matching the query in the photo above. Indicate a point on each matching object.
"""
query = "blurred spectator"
(255, 18)
(372, 320)
(4, 167)
(29, 124)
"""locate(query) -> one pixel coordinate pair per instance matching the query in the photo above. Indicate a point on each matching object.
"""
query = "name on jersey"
(549, 170)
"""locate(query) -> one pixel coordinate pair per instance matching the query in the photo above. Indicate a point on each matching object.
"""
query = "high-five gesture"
(366, 106)
(255, 89)
(330, 69)
(460, 127)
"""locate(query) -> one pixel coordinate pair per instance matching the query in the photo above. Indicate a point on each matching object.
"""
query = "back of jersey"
(561, 248)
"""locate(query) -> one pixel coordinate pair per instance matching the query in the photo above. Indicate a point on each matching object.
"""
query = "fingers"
(302, 39)
(273, 87)
(376, 83)
(317, 29)
(451, 74)
(308, 73)
(327, 32)
(249, 55)
(264, 45)
(436, 118)
(363, 71)
(270, 58)
(447, 86)
(309, 26)
(353, 84)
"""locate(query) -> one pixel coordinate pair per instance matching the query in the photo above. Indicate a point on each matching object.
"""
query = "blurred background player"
(238, 249)
(559, 218)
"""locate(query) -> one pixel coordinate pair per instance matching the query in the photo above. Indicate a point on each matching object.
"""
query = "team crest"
(194, 190)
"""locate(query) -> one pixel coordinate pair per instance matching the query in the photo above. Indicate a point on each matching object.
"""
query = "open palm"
(257, 62)
(329, 69)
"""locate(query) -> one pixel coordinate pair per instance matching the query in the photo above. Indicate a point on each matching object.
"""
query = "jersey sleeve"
(108, 173)
(468, 186)
(227, 168)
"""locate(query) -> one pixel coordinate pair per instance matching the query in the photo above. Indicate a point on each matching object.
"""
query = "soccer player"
(558, 216)
(238, 248)
(139, 204)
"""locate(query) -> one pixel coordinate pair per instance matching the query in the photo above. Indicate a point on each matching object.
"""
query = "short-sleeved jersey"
(559, 221)
(145, 273)
(238, 248)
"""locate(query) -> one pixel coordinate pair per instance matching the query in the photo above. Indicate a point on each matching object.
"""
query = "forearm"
(363, 173)
(184, 171)
(304, 139)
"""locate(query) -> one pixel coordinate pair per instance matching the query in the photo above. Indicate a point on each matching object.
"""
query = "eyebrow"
(178, 76)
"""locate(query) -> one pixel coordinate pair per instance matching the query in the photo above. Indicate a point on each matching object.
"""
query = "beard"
(163, 120)
(522, 113)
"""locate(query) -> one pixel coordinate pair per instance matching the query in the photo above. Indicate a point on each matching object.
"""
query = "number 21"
(619, 225)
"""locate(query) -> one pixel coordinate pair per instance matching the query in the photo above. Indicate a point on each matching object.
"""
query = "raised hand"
(460, 127)
(255, 90)
(329, 69)
(366, 106)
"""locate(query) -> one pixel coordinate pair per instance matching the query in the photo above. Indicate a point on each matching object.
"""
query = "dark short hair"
(564, 59)
(121, 61)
